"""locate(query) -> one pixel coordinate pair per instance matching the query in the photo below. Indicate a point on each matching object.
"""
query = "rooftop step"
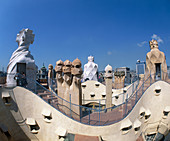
(78, 137)
(44, 94)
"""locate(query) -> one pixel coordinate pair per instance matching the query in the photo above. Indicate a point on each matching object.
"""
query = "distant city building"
(140, 67)
(127, 74)
(134, 77)
(101, 76)
(2, 77)
(42, 74)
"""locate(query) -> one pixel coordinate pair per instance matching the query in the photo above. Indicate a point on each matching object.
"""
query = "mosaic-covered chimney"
(90, 70)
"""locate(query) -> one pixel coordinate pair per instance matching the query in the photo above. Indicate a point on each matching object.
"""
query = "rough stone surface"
(119, 79)
(155, 56)
(66, 85)
(50, 75)
(67, 66)
(59, 79)
(75, 88)
(59, 66)
(50, 71)
(108, 79)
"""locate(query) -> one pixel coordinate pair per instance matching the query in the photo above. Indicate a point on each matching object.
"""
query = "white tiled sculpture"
(90, 70)
(21, 60)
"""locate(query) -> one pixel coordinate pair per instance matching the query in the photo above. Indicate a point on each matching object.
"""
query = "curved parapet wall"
(148, 110)
(12, 123)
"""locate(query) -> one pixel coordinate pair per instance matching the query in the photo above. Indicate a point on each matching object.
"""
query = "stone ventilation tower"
(119, 79)
(76, 91)
(50, 75)
(156, 62)
(66, 85)
(68, 77)
(59, 77)
(108, 79)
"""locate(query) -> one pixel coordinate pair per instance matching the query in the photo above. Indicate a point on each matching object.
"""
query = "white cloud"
(109, 53)
(156, 37)
(142, 43)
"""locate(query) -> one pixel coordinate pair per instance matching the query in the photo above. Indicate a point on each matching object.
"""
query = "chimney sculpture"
(22, 61)
(156, 62)
(119, 79)
(76, 91)
(90, 70)
(66, 85)
(108, 79)
(59, 80)
(50, 75)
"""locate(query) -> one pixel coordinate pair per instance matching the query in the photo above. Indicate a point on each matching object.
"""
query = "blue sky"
(115, 32)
